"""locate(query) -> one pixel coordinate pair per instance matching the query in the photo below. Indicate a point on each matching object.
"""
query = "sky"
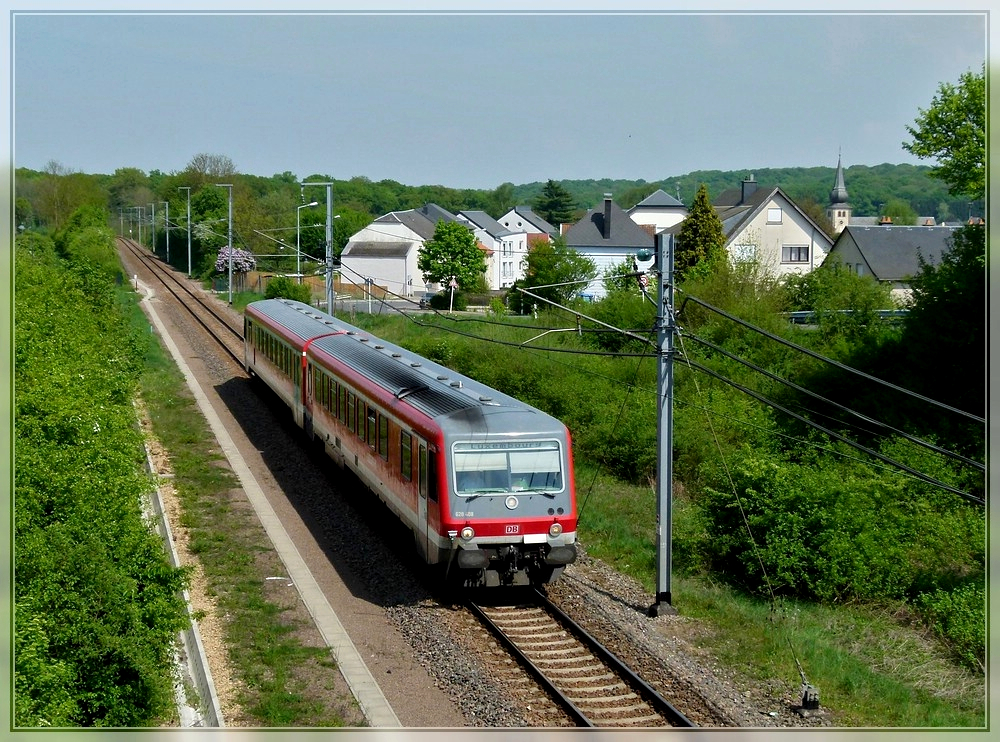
(475, 99)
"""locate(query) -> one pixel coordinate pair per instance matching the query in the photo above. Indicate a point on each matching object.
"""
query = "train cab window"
(350, 412)
(497, 468)
(406, 455)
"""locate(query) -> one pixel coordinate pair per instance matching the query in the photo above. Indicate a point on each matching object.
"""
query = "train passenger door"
(421, 534)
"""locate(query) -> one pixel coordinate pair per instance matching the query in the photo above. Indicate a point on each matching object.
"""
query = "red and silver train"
(484, 481)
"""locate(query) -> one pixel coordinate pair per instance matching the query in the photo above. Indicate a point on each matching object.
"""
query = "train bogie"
(483, 481)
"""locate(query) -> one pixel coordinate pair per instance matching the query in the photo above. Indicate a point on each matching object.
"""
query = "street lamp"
(188, 189)
(298, 238)
(329, 242)
(230, 238)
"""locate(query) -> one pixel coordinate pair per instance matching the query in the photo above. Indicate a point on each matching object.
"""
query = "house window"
(859, 268)
(774, 216)
(795, 253)
(743, 253)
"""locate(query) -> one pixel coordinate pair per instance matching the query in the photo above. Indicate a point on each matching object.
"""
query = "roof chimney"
(886, 220)
(749, 186)
(607, 216)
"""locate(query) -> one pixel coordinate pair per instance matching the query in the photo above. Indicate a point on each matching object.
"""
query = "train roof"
(435, 390)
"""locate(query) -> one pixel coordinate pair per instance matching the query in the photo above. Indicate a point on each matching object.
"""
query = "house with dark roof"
(891, 254)
(659, 209)
(765, 225)
(523, 219)
(506, 249)
(608, 236)
(385, 251)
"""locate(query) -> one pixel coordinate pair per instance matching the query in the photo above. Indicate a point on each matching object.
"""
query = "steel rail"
(159, 272)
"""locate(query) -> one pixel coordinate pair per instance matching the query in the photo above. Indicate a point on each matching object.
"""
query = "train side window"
(350, 411)
(371, 426)
(343, 403)
(422, 471)
(406, 455)
(383, 437)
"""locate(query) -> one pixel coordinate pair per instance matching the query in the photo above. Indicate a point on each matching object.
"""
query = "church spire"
(839, 211)
(839, 193)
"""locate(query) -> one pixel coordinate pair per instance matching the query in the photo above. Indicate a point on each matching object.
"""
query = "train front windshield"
(491, 468)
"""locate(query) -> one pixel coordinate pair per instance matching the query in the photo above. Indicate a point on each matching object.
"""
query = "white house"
(506, 249)
(607, 236)
(523, 219)
(659, 209)
(765, 224)
(386, 252)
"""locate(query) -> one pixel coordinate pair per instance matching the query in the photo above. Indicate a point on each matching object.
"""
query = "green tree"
(562, 271)
(555, 205)
(811, 208)
(621, 277)
(501, 199)
(453, 252)
(900, 212)
(701, 239)
(953, 132)
(946, 322)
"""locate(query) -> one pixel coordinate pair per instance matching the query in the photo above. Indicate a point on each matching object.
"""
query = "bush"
(834, 533)
(959, 617)
(285, 288)
(96, 604)
(443, 301)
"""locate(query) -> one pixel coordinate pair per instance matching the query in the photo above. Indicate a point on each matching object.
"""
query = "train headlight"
(467, 533)
(555, 529)
(510, 502)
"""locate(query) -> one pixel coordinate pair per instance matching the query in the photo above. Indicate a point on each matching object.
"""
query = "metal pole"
(329, 248)
(329, 242)
(664, 427)
(166, 226)
(152, 226)
(188, 189)
(298, 239)
(230, 237)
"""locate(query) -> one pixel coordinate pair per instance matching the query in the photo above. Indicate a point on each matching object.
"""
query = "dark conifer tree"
(555, 205)
(701, 238)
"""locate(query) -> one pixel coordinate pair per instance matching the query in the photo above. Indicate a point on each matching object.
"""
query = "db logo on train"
(512, 529)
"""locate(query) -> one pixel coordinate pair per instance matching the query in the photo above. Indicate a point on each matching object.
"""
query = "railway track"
(593, 687)
(585, 681)
(222, 326)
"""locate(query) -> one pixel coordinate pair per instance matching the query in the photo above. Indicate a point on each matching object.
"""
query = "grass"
(272, 663)
(873, 667)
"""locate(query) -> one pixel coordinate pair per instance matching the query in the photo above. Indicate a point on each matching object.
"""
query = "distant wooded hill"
(46, 198)
(868, 188)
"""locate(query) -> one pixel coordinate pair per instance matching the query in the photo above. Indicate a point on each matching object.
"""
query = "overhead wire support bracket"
(584, 316)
